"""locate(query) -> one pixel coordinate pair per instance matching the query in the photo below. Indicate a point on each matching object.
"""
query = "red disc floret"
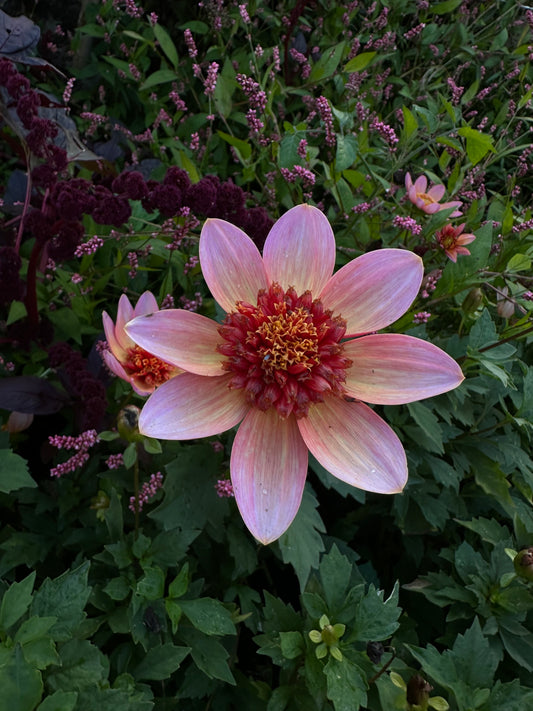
(285, 352)
(146, 368)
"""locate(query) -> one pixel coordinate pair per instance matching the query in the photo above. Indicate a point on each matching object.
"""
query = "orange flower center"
(428, 200)
(285, 352)
(447, 237)
(146, 368)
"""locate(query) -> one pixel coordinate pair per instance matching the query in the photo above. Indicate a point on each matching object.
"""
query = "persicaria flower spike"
(127, 360)
(292, 364)
(453, 240)
(429, 200)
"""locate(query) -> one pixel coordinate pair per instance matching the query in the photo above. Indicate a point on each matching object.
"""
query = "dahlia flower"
(429, 200)
(292, 364)
(127, 360)
(452, 240)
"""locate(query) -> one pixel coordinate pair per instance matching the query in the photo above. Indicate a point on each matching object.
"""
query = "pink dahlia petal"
(429, 208)
(421, 184)
(391, 369)
(375, 289)
(355, 445)
(125, 313)
(109, 330)
(268, 470)
(231, 264)
(300, 250)
(192, 406)
(146, 304)
(181, 338)
(436, 192)
(408, 181)
(115, 366)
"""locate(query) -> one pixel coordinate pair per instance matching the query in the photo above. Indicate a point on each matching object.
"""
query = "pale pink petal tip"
(300, 250)
(268, 471)
(354, 444)
(190, 407)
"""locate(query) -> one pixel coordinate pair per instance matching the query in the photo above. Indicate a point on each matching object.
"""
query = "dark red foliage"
(167, 199)
(11, 285)
(131, 184)
(68, 235)
(202, 197)
(110, 209)
(178, 177)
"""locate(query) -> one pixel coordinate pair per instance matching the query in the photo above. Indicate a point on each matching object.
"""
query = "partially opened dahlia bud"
(144, 371)
(523, 564)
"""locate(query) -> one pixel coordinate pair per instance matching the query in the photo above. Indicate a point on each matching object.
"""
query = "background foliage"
(367, 601)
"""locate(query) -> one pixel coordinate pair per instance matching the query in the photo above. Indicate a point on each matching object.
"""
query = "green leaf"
(65, 597)
(161, 662)
(429, 424)
(288, 149)
(152, 585)
(82, 665)
(21, 684)
(208, 655)
(166, 43)
(328, 63)
(59, 701)
(17, 310)
(518, 263)
(441, 8)
(34, 628)
(477, 144)
(208, 615)
(244, 149)
(162, 76)
(180, 584)
(519, 648)
(359, 62)
(13, 472)
(17, 599)
(67, 324)
(346, 152)
(301, 544)
(377, 619)
(292, 644)
(335, 573)
(410, 124)
(346, 684)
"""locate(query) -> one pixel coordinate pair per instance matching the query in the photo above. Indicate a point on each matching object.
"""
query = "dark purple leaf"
(17, 35)
(30, 394)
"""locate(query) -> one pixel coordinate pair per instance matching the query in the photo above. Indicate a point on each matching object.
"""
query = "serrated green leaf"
(59, 701)
(346, 152)
(375, 618)
(478, 144)
(292, 644)
(17, 599)
(161, 662)
(64, 596)
(208, 655)
(346, 685)
(208, 615)
(21, 683)
(152, 584)
(13, 472)
(180, 584)
(82, 665)
(518, 263)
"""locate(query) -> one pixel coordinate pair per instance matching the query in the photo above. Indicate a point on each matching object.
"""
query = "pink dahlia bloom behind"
(127, 360)
(292, 364)
(429, 200)
(452, 240)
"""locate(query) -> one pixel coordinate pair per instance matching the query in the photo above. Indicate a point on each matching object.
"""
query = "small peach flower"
(429, 200)
(124, 358)
(292, 362)
(452, 240)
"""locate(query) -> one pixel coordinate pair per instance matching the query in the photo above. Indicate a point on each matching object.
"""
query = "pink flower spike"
(268, 481)
(392, 369)
(428, 200)
(140, 368)
(355, 445)
(231, 264)
(182, 338)
(190, 407)
(375, 289)
(452, 240)
(284, 361)
(300, 250)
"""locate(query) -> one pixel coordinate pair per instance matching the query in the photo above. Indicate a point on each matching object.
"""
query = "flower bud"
(418, 691)
(128, 423)
(472, 301)
(523, 564)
